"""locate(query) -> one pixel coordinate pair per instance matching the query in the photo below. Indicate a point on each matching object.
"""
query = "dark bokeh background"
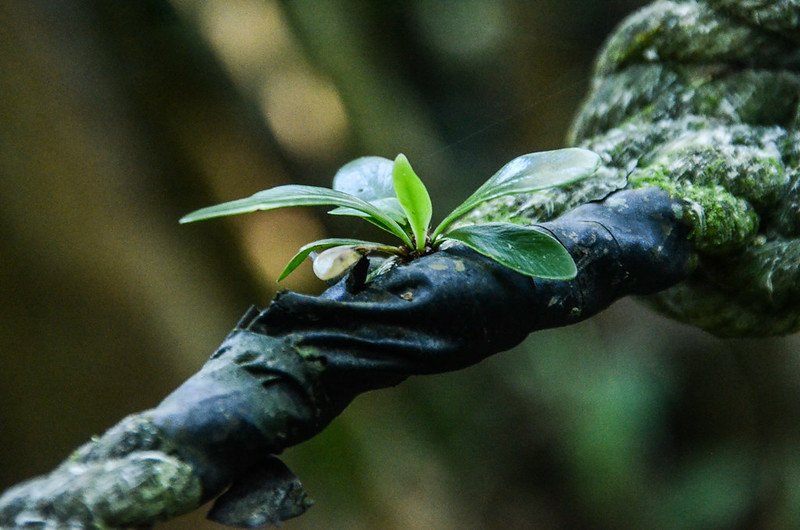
(118, 117)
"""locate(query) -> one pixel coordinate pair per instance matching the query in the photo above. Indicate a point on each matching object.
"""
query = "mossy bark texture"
(701, 99)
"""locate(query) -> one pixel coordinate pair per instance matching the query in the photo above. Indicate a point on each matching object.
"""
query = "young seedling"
(391, 196)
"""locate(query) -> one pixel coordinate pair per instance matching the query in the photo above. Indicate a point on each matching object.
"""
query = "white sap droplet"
(334, 262)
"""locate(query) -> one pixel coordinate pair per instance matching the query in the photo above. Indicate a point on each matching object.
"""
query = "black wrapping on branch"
(253, 397)
(285, 372)
(455, 307)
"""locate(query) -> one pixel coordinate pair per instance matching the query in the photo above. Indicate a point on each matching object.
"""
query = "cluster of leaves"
(392, 197)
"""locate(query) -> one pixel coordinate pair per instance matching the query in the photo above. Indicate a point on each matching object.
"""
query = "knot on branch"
(700, 98)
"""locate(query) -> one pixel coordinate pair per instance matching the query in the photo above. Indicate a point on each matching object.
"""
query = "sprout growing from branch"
(392, 197)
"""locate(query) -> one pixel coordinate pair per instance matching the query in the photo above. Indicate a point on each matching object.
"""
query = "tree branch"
(709, 151)
(285, 372)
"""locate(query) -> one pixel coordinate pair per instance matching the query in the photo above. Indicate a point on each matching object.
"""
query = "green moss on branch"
(701, 99)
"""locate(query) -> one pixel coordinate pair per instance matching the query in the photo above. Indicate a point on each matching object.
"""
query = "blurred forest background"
(116, 118)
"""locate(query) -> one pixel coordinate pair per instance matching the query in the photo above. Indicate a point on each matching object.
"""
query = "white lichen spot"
(617, 202)
(448, 243)
(407, 296)
(460, 265)
(698, 216)
(438, 266)
(770, 288)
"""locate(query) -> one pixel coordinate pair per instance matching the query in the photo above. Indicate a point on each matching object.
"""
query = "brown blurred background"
(118, 117)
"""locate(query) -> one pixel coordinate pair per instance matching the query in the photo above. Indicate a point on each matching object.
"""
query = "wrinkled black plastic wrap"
(455, 307)
(288, 370)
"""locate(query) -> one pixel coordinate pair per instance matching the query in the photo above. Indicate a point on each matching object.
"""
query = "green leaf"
(369, 178)
(413, 198)
(295, 195)
(525, 250)
(527, 173)
(323, 244)
(390, 206)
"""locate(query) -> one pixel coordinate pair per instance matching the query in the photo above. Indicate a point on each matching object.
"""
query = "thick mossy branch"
(136, 486)
(694, 33)
(701, 100)
(780, 16)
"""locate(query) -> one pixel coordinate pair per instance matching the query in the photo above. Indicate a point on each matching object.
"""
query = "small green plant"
(391, 196)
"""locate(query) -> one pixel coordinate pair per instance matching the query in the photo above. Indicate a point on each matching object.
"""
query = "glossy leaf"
(413, 198)
(525, 250)
(527, 173)
(389, 205)
(322, 244)
(369, 178)
(295, 195)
